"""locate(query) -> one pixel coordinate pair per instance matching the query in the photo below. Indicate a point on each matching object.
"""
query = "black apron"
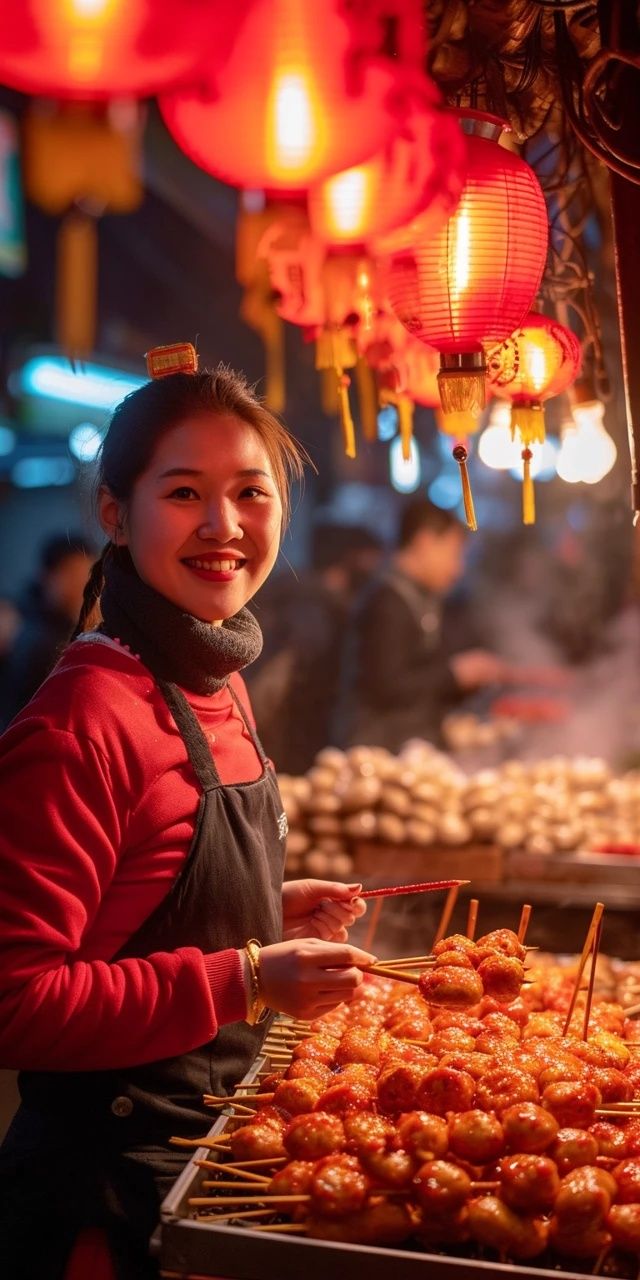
(89, 1148)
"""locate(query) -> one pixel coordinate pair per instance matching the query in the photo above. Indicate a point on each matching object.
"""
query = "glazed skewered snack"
(488, 1131)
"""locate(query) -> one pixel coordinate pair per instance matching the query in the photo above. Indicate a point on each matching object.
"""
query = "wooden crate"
(403, 864)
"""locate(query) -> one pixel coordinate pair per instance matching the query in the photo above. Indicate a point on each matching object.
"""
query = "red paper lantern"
(110, 48)
(541, 359)
(471, 284)
(304, 93)
(421, 169)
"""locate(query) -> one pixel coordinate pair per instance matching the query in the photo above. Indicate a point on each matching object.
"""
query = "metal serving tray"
(193, 1250)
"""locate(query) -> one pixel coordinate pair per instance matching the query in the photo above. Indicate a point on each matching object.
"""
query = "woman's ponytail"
(92, 593)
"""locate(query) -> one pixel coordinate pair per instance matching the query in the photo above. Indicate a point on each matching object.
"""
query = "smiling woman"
(143, 839)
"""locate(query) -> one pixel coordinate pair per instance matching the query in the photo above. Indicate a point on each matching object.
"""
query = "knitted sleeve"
(59, 841)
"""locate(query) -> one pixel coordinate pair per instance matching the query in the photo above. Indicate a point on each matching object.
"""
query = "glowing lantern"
(332, 298)
(420, 169)
(303, 93)
(110, 48)
(471, 283)
(540, 360)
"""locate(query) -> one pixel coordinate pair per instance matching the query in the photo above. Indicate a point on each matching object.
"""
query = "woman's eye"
(184, 492)
(252, 491)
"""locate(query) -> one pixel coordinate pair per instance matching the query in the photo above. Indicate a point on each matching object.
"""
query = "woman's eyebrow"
(192, 471)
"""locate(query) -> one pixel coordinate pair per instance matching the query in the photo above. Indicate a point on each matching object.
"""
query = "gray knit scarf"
(174, 645)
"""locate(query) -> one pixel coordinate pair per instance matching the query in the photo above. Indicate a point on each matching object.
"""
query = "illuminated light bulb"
(587, 452)
(496, 448)
(404, 473)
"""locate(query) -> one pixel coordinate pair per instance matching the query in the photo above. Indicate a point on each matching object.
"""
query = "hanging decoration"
(541, 359)
(96, 49)
(420, 170)
(308, 89)
(470, 284)
(81, 160)
(332, 298)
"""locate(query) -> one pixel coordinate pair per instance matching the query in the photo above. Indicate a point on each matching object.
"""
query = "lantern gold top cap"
(482, 124)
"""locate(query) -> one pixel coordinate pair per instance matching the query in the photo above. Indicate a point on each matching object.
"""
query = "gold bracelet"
(258, 1011)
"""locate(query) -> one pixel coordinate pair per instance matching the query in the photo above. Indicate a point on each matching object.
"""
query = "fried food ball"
(627, 1176)
(493, 1224)
(346, 1095)
(313, 1136)
(502, 977)
(320, 1047)
(504, 941)
(528, 1128)
(441, 1187)
(575, 1240)
(338, 1186)
(585, 1196)
(388, 1168)
(572, 1102)
(476, 1136)
(611, 1140)
(423, 1135)
(297, 1096)
(397, 1086)
(623, 1221)
(529, 1183)
(257, 1142)
(309, 1068)
(572, 1149)
(444, 1089)
(614, 1085)
(451, 987)
(503, 1086)
(455, 942)
(386, 1222)
(364, 1129)
(361, 1044)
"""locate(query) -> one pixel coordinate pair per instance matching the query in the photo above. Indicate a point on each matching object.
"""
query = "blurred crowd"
(377, 645)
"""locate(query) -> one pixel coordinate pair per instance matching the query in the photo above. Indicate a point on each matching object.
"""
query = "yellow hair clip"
(179, 357)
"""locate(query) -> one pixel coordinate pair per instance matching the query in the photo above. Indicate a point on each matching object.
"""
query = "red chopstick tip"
(427, 886)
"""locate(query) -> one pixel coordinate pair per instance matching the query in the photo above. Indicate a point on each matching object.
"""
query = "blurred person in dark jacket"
(400, 677)
(49, 612)
(294, 685)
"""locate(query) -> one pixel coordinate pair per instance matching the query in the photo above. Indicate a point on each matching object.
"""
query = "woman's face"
(203, 523)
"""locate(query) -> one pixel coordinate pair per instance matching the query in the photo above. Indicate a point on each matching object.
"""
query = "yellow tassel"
(527, 420)
(462, 390)
(460, 455)
(528, 493)
(76, 285)
(405, 419)
(344, 411)
(367, 400)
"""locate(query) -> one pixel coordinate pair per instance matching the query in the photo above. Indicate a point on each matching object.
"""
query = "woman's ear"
(111, 517)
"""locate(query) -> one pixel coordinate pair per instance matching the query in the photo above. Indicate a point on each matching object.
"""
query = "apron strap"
(190, 728)
(250, 729)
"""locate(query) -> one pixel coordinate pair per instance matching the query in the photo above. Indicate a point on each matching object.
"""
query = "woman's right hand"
(307, 976)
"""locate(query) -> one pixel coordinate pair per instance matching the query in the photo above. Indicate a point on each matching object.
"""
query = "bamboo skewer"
(227, 1200)
(222, 1184)
(447, 910)
(525, 916)
(287, 1227)
(397, 974)
(242, 1213)
(592, 977)
(472, 917)
(226, 1168)
(219, 1144)
(595, 919)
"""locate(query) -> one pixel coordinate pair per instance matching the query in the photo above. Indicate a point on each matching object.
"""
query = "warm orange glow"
(420, 173)
(539, 360)
(347, 203)
(295, 130)
(460, 245)
(282, 110)
(110, 48)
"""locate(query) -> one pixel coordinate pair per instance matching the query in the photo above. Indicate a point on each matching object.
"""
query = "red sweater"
(98, 804)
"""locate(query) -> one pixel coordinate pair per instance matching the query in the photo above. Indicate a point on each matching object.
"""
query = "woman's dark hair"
(141, 420)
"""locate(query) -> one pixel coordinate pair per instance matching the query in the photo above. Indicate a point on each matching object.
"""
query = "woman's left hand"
(320, 909)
